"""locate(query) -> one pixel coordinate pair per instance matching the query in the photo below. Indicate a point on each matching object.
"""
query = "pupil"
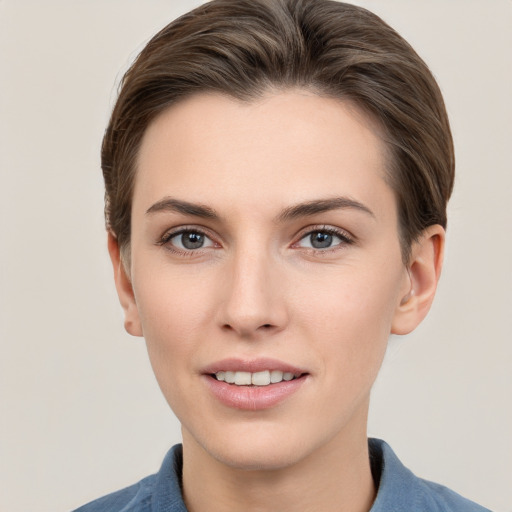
(192, 240)
(321, 240)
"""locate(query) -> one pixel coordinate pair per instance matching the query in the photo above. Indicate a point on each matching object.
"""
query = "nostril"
(245, 330)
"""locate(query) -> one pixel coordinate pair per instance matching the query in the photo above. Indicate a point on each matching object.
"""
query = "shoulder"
(137, 498)
(443, 499)
(161, 491)
(399, 490)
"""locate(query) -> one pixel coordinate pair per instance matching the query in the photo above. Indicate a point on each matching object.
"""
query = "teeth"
(276, 376)
(263, 378)
(243, 378)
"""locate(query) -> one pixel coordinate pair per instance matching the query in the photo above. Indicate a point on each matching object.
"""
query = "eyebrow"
(168, 204)
(305, 209)
(323, 205)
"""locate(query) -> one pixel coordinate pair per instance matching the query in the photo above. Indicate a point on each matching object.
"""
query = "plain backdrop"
(81, 414)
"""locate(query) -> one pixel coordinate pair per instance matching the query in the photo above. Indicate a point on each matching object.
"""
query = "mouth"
(253, 385)
(257, 379)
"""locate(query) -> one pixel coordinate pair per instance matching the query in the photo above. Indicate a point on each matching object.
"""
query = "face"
(265, 251)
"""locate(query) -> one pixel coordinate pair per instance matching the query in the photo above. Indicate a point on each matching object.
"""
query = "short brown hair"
(244, 48)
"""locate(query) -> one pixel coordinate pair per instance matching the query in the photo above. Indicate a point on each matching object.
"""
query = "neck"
(336, 477)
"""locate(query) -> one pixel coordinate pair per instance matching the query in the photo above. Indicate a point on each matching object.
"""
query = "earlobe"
(124, 288)
(424, 271)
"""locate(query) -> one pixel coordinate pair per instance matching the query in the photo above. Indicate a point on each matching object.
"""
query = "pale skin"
(296, 258)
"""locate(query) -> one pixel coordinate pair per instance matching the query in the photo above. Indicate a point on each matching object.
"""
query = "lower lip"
(253, 398)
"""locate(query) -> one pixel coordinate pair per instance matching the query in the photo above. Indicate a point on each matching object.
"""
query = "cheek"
(170, 320)
(359, 297)
(174, 309)
(350, 316)
(169, 300)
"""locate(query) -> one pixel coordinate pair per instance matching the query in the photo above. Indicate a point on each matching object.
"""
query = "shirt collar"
(396, 485)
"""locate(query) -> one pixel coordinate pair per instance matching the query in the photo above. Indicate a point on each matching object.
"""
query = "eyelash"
(166, 238)
(345, 239)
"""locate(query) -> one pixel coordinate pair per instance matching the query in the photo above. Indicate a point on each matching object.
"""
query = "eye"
(323, 239)
(187, 240)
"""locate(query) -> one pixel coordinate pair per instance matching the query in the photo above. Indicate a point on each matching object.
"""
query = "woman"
(276, 179)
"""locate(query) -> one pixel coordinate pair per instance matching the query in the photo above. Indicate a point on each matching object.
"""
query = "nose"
(254, 298)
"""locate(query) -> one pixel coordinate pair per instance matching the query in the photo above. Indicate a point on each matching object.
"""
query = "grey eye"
(190, 240)
(322, 239)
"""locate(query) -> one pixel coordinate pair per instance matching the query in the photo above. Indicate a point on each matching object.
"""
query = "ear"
(124, 288)
(424, 271)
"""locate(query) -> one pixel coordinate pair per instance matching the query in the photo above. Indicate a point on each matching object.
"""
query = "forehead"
(282, 148)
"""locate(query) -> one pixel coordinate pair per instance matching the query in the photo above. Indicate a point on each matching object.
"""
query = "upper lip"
(234, 364)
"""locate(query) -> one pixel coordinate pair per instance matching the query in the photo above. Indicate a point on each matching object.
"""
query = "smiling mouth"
(262, 378)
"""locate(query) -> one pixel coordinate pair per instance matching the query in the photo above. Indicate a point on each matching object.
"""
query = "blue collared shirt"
(398, 489)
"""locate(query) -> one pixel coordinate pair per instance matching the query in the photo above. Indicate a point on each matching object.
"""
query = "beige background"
(81, 414)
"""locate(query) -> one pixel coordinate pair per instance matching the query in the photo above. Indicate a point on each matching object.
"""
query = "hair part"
(245, 48)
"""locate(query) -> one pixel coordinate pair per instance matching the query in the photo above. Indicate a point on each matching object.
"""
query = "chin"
(256, 458)
(258, 448)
